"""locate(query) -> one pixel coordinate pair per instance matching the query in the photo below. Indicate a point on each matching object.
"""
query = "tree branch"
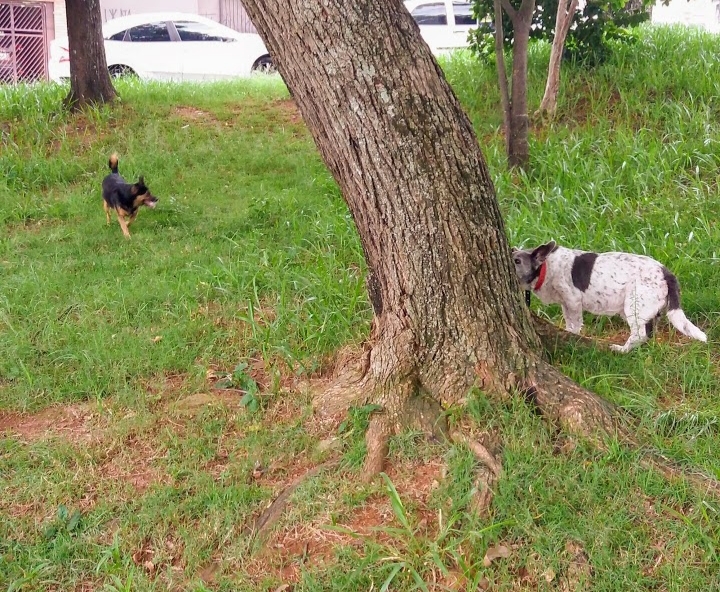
(512, 13)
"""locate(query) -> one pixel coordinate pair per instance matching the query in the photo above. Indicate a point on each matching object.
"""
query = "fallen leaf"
(494, 553)
(549, 574)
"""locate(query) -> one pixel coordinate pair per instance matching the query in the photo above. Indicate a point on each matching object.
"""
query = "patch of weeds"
(65, 523)
(240, 379)
(416, 555)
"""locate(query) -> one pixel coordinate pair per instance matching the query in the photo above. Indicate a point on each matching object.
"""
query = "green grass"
(251, 258)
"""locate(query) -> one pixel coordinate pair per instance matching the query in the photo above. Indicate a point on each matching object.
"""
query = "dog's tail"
(113, 163)
(675, 314)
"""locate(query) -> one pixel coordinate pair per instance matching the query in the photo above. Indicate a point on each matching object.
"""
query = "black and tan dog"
(125, 198)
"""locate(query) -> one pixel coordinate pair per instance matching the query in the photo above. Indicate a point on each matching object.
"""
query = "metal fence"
(23, 42)
(233, 15)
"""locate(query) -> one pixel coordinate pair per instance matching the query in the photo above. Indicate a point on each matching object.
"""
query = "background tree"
(448, 314)
(89, 77)
(564, 17)
(583, 36)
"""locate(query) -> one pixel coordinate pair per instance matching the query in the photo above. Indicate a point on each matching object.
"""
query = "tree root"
(553, 337)
(562, 402)
(584, 413)
(488, 473)
(263, 523)
(377, 439)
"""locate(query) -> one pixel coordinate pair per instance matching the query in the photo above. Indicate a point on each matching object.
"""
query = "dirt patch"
(76, 423)
(314, 544)
(287, 109)
(194, 404)
(294, 547)
(81, 131)
(33, 225)
(193, 114)
(133, 471)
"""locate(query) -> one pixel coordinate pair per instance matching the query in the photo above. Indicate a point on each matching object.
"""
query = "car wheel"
(121, 71)
(264, 65)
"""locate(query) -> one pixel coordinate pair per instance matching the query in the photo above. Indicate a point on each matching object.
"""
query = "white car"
(444, 24)
(171, 46)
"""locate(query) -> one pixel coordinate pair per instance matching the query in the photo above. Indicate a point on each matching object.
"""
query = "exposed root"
(584, 413)
(553, 337)
(385, 375)
(377, 439)
(567, 404)
(266, 520)
(488, 473)
(482, 453)
(346, 390)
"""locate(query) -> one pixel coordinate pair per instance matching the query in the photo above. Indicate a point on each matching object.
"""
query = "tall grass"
(251, 258)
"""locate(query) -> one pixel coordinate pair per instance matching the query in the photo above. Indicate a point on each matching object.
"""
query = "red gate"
(23, 43)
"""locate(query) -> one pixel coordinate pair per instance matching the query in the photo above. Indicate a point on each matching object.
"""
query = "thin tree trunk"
(502, 73)
(448, 313)
(563, 20)
(518, 147)
(89, 77)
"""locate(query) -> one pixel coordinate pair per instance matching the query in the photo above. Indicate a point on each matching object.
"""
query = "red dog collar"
(541, 276)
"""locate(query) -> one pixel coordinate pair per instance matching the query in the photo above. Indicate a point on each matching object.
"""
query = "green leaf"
(395, 570)
(396, 503)
(250, 402)
(420, 583)
(74, 520)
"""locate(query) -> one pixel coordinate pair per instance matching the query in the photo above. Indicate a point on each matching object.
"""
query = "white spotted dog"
(635, 287)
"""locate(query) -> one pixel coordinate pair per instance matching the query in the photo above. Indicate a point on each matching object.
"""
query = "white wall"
(701, 13)
(111, 9)
(114, 8)
(60, 19)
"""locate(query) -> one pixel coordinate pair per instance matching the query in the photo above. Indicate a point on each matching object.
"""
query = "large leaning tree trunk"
(563, 19)
(448, 314)
(89, 77)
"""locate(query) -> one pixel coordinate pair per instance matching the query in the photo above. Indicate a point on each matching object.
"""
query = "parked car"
(172, 46)
(444, 24)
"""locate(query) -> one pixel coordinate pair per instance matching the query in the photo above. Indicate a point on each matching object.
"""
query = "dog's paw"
(619, 348)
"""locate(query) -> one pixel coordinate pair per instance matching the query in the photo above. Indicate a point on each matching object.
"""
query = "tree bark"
(563, 20)
(502, 74)
(89, 77)
(448, 313)
(518, 146)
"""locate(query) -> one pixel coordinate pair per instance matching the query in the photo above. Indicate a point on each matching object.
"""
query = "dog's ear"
(540, 253)
(141, 180)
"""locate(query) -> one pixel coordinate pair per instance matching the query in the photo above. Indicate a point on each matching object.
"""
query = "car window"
(149, 32)
(430, 14)
(463, 14)
(194, 31)
(118, 36)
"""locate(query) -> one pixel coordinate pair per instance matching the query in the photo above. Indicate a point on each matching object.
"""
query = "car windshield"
(148, 32)
(463, 14)
(194, 31)
(430, 14)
